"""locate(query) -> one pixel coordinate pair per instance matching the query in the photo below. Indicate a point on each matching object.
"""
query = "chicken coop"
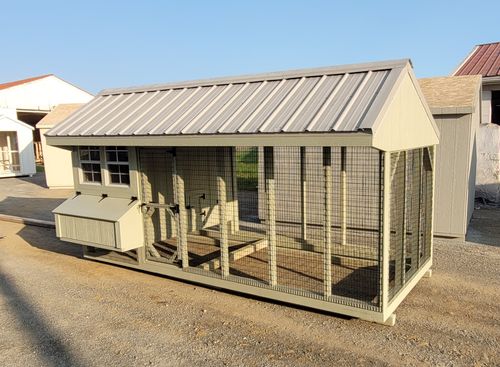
(311, 187)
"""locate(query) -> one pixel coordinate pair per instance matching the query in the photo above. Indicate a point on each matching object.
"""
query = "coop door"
(158, 194)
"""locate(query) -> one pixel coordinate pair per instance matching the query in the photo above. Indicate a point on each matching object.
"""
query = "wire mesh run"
(301, 220)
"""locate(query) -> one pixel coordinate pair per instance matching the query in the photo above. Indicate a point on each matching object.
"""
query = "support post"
(303, 192)
(181, 225)
(222, 203)
(271, 213)
(403, 225)
(343, 196)
(327, 225)
(420, 205)
(235, 217)
(386, 226)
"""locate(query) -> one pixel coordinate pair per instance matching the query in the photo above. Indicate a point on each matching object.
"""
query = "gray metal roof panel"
(312, 100)
(229, 109)
(364, 100)
(214, 110)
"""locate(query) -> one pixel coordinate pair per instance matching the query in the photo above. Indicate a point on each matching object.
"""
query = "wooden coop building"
(312, 187)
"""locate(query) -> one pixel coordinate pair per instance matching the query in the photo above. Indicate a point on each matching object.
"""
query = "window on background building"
(495, 107)
(9, 152)
(117, 163)
(90, 163)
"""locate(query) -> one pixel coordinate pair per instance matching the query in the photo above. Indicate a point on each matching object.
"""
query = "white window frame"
(81, 161)
(116, 149)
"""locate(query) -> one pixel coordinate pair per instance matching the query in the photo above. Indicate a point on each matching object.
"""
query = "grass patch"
(247, 168)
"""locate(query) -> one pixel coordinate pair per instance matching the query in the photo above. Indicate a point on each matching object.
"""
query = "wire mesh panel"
(411, 214)
(427, 198)
(398, 233)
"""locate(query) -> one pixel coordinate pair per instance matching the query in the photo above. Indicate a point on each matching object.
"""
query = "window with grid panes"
(117, 163)
(90, 163)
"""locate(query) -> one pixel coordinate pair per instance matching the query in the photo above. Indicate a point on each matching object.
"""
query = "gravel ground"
(59, 309)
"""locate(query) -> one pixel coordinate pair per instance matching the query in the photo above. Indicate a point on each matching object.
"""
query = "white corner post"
(222, 203)
(386, 227)
(327, 226)
(235, 217)
(303, 192)
(182, 247)
(343, 196)
(403, 233)
(400, 224)
(271, 213)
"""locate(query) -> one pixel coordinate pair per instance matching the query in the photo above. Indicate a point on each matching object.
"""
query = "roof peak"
(488, 43)
(294, 73)
(23, 81)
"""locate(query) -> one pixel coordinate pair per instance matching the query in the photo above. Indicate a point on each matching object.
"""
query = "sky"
(107, 43)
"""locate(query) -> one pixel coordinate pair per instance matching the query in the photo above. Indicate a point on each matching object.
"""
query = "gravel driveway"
(57, 309)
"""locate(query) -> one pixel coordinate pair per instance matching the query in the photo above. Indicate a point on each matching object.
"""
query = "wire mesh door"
(161, 213)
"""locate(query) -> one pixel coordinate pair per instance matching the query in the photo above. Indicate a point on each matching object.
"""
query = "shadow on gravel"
(484, 227)
(45, 239)
(36, 208)
(37, 179)
(44, 338)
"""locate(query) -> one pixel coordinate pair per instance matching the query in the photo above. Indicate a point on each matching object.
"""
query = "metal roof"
(334, 99)
(483, 60)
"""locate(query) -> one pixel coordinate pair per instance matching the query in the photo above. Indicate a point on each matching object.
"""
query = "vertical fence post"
(327, 226)
(386, 226)
(271, 213)
(343, 195)
(181, 225)
(222, 200)
(303, 192)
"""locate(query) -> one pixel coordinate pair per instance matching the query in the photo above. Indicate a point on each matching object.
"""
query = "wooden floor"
(298, 269)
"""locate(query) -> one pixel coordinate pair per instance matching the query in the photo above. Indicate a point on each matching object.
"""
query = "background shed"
(58, 164)
(16, 148)
(455, 105)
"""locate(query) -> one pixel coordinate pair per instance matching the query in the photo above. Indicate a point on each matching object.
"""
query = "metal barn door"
(161, 218)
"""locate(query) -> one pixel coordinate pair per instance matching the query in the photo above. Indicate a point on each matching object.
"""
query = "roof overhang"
(488, 80)
(359, 138)
(23, 124)
(452, 110)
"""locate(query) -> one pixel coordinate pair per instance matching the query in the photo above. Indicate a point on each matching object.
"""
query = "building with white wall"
(484, 60)
(29, 100)
(57, 161)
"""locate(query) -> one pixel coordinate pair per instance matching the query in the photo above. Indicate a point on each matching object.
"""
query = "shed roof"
(484, 60)
(58, 114)
(21, 124)
(22, 81)
(332, 99)
(453, 94)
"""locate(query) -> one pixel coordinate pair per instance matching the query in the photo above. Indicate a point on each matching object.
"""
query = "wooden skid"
(235, 254)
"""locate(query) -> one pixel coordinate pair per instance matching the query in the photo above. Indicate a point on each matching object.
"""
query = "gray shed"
(168, 178)
(455, 103)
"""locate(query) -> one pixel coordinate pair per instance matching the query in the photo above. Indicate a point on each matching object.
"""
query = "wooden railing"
(37, 145)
